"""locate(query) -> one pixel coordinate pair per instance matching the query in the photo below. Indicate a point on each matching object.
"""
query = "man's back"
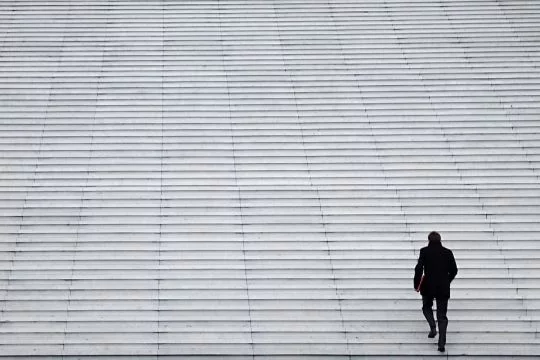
(439, 267)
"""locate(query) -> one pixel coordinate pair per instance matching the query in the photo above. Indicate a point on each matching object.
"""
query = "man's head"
(434, 237)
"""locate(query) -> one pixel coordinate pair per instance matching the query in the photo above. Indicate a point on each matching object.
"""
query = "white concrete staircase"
(253, 178)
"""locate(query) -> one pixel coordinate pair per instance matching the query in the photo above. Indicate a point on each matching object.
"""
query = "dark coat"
(439, 267)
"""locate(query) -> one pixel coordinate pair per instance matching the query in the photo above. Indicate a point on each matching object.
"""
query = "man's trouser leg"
(442, 306)
(427, 309)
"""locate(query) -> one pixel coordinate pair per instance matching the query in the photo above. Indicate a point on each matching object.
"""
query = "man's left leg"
(442, 320)
(427, 309)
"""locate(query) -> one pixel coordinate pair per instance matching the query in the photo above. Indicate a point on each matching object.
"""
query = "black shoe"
(432, 334)
(441, 348)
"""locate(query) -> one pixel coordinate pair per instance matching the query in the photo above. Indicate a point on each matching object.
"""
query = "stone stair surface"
(253, 179)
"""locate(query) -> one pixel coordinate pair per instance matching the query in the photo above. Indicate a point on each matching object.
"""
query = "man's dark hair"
(434, 237)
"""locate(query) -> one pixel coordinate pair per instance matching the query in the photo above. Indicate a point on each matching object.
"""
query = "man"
(439, 268)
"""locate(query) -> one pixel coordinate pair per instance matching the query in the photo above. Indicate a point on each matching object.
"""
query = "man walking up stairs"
(433, 274)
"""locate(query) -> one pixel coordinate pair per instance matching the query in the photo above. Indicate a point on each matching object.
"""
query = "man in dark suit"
(439, 268)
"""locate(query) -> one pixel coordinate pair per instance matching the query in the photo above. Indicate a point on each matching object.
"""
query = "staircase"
(249, 179)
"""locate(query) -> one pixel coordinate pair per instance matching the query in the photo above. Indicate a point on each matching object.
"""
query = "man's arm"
(452, 268)
(419, 270)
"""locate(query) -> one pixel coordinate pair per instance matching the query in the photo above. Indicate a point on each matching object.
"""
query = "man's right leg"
(427, 309)
(442, 306)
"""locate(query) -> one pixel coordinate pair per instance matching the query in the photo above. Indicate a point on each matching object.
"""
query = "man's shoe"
(432, 334)
(441, 348)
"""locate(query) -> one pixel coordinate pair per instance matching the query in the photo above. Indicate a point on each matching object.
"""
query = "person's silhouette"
(433, 274)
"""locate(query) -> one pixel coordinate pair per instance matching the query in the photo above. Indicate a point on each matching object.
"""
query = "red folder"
(420, 284)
